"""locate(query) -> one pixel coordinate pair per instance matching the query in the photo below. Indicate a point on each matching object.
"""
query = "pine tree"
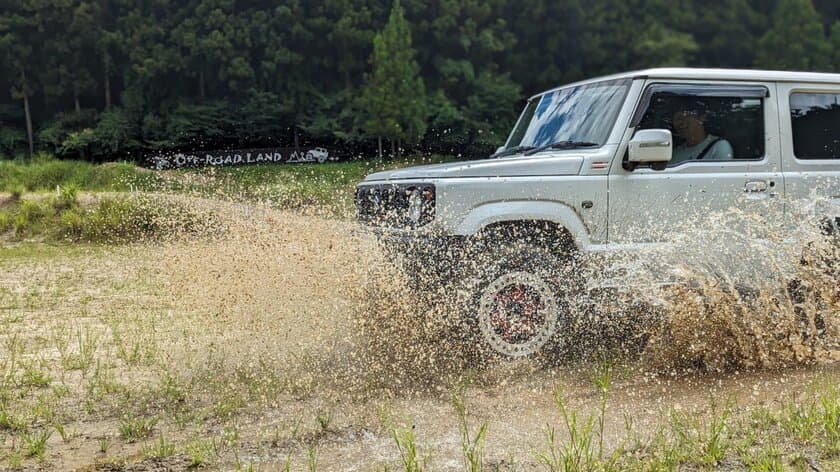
(393, 100)
(18, 33)
(795, 40)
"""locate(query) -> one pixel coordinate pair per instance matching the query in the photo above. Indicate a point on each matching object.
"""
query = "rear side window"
(815, 120)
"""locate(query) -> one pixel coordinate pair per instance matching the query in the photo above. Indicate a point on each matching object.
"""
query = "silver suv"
(606, 164)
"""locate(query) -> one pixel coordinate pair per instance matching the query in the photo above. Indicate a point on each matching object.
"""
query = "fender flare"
(525, 210)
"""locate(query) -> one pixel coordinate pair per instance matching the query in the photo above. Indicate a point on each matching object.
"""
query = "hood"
(536, 165)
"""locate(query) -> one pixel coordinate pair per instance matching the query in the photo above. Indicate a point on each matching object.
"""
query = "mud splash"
(317, 299)
(314, 301)
(739, 298)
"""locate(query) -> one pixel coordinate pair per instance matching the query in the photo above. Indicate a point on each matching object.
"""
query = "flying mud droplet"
(316, 301)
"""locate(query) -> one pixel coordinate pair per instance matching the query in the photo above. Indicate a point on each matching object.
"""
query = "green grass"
(35, 444)
(284, 183)
(110, 219)
(35, 251)
(159, 449)
(472, 440)
(329, 185)
(328, 188)
(44, 173)
(132, 428)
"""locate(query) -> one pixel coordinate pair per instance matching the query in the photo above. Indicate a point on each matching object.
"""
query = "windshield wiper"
(511, 151)
(569, 144)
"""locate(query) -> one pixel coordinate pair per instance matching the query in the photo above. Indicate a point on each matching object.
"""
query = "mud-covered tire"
(515, 302)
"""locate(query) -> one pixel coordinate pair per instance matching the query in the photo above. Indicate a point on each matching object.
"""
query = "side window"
(707, 127)
(815, 121)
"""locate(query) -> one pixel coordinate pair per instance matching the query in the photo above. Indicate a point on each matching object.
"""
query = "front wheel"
(517, 301)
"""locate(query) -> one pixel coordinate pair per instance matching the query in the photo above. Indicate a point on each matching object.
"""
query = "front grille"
(386, 205)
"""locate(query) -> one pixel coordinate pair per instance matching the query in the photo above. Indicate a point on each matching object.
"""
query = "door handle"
(755, 186)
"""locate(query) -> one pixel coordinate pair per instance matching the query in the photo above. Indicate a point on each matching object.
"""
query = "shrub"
(56, 131)
(201, 125)
(114, 134)
(88, 136)
(67, 197)
(77, 144)
(12, 140)
(32, 216)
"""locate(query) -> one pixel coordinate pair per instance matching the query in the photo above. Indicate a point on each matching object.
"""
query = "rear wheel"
(517, 301)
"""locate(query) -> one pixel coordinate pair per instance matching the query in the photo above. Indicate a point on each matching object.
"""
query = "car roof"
(690, 73)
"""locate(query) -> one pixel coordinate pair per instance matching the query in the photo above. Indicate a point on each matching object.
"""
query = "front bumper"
(423, 255)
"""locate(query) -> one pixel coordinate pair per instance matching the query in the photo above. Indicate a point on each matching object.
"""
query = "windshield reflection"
(584, 113)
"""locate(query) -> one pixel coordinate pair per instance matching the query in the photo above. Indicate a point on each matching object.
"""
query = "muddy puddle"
(290, 340)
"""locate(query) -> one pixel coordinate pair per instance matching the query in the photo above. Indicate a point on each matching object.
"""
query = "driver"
(690, 125)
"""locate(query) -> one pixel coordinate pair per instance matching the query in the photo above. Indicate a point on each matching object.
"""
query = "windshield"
(585, 113)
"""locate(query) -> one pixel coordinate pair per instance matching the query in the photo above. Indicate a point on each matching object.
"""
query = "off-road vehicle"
(612, 163)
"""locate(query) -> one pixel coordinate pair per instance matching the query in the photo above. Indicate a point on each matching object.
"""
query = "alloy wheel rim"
(518, 314)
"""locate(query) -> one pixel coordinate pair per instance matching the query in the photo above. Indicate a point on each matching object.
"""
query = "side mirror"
(499, 149)
(651, 146)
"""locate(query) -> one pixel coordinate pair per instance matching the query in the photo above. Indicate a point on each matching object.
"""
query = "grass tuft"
(472, 442)
(201, 452)
(584, 449)
(134, 428)
(407, 447)
(35, 444)
(110, 219)
(159, 449)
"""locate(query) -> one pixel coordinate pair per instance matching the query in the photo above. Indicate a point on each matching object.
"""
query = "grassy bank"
(42, 196)
(45, 174)
(108, 219)
(286, 185)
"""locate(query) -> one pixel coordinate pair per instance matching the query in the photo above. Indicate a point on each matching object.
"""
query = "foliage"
(393, 101)
(796, 39)
(53, 134)
(113, 134)
(192, 123)
(11, 141)
(116, 80)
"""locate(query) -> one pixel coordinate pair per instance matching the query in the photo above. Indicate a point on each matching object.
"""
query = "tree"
(393, 100)
(726, 32)
(66, 49)
(633, 34)
(213, 37)
(795, 40)
(557, 46)
(489, 109)
(18, 32)
(450, 74)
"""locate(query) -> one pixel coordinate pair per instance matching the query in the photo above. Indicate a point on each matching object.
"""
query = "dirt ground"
(249, 350)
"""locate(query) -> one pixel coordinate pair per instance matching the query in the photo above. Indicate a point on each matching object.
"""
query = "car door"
(810, 131)
(743, 171)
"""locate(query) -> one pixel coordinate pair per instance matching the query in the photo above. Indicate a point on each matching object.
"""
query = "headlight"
(396, 205)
